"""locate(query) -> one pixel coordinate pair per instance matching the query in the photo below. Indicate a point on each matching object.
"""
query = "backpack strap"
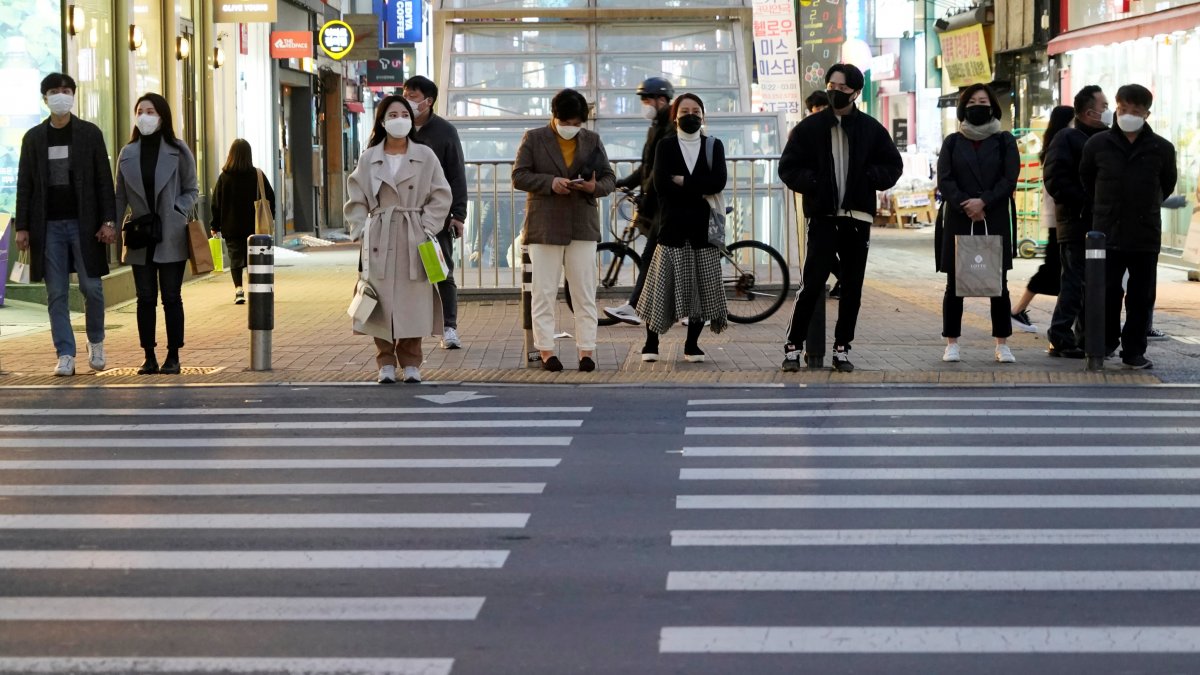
(709, 143)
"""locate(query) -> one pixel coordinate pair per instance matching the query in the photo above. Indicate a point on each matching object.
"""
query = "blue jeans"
(64, 254)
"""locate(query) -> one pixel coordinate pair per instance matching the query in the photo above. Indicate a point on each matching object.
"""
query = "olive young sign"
(246, 11)
(336, 39)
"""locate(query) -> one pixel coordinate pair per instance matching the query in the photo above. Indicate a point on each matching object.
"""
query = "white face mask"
(1106, 117)
(567, 132)
(148, 124)
(649, 112)
(1131, 123)
(60, 104)
(397, 127)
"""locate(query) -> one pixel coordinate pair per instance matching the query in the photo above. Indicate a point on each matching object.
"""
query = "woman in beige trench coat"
(398, 197)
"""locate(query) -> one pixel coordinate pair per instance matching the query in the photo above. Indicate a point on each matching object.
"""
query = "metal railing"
(489, 255)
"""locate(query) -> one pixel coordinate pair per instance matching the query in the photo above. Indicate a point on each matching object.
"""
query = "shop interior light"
(183, 48)
(74, 20)
(136, 38)
(218, 57)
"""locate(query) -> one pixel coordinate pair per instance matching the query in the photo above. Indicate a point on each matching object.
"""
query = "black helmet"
(656, 86)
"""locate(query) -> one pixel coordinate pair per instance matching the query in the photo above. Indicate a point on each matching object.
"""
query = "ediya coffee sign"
(291, 44)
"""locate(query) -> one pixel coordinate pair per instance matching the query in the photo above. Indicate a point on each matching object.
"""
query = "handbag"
(21, 271)
(199, 251)
(217, 249)
(366, 298)
(716, 203)
(142, 231)
(264, 221)
(433, 260)
(978, 264)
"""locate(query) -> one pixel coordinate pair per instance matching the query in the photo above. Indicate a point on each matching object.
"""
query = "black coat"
(91, 174)
(643, 176)
(233, 208)
(683, 211)
(1128, 183)
(806, 165)
(1060, 172)
(988, 172)
(441, 136)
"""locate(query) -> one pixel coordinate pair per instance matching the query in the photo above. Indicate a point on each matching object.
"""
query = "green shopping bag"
(218, 254)
(433, 260)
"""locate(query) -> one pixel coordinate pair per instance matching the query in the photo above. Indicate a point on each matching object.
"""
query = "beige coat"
(392, 214)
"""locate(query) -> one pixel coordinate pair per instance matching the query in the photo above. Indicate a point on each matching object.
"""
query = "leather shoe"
(1070, 353)
(170, 366)
(586, 364)
(149, 367)
(552, 364)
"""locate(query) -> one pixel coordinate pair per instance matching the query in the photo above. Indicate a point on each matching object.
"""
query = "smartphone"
(578, 180)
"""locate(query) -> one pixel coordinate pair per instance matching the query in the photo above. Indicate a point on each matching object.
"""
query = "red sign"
(243, 40)
(291, 44)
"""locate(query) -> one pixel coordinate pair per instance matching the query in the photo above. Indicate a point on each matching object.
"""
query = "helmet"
(656, 86)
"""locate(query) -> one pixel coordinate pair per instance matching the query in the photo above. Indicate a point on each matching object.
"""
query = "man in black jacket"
(837, 159)
(1128, 171)
(656, 94)
(442, 138)
(1073, 215)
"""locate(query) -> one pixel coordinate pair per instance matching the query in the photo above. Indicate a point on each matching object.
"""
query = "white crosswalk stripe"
(823, 475)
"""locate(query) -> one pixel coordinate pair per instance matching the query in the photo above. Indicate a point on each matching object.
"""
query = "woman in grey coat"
(157, 163)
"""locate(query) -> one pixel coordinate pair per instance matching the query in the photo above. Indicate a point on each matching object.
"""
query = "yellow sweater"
(567, 147)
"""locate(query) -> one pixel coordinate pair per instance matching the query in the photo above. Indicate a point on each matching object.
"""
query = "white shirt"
(394, 162)
(841, 166)
(690, 148)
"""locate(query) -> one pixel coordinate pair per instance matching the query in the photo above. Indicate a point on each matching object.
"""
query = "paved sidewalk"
(898, 337)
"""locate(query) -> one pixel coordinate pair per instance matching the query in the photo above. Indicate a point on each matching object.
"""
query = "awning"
(1147, 25)
(355, 106)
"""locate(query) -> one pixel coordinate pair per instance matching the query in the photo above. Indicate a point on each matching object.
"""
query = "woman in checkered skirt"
(684, 279)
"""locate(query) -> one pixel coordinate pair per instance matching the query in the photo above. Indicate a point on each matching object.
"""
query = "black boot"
(170, 365)
(150, 365)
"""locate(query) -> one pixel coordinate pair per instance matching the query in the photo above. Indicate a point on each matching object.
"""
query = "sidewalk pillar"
(261, 297)
(532, 356)
(814, 344)
(1093, 302)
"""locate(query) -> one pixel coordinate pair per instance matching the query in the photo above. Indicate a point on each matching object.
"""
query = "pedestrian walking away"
(837, 160)
(656, 94)
(398, 198)
(1073, 213)
(1048, 276)
(565, 170)
(65, 218)
(156, 184)
(233, 207)
(441, 137)
(1129, 171)
(684, 279)
(977, 175)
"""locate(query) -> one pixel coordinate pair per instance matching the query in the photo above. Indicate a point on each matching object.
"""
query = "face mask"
(689, 124)
(839, 99)
(60, 104)
(1131, 123)
(397, 127)
(416, 106)
(979, 115)
(649, 112)
(567, 132)
(148, 124)
(1106, 117)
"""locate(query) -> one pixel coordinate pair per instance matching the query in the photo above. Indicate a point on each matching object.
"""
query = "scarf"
(978, 133)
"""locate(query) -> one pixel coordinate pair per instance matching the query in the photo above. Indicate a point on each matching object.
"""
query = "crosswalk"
(851, 526)
(261, 540)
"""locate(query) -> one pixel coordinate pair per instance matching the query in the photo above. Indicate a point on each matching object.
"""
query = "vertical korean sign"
(822, 30)
(777, 61)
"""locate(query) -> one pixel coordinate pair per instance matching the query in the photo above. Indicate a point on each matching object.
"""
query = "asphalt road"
(552, 530)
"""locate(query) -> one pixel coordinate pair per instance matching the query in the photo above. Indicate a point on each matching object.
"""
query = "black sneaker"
(836, 291)
(1139, 362)
(841, 360)
(1155, 334)
(1021, 320)
(791, 358)
(1068, 353)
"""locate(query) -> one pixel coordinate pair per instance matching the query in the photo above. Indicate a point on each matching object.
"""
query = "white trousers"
(579, 260)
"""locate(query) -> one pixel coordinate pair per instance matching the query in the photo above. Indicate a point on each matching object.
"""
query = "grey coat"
(175, 183)
(561, 219)
(92, 177)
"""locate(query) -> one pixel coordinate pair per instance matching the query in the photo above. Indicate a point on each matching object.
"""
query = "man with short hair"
(1073, 217)
(816, 102)
(66, 216)
(1128, 171)
(441, 136)
(837, 160)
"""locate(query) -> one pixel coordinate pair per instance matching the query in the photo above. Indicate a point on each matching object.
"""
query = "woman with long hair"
(233, 207)
(398, 198)
(1045, 281)
(156, 183)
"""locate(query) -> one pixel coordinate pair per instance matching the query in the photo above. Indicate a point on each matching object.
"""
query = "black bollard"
(1094, 348)
(260, 265)
(814, 345)
(532, 356)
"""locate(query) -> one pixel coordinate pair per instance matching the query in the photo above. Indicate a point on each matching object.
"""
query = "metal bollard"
(1093, 302)
(261, 268)
(814, 344)
(532, 356)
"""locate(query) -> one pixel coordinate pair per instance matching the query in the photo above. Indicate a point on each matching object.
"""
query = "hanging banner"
(776, 59)
(822, 31)
(965, 56)
(336, 39)
(389, 69)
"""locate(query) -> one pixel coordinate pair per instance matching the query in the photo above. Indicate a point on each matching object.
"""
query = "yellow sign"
(336, 39)
(965, 56)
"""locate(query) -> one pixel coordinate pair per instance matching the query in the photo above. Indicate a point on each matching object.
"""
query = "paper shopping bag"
(20, 271)
(433, 260)
(978, 265)
(199, 254)
(364, 302)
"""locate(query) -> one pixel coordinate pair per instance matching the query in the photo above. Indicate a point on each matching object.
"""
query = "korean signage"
(402, 19)
(776, 61)
(291, 44)
(336, 39)
(965, 56)
(822, 30)
(388, 70)
(245, 11)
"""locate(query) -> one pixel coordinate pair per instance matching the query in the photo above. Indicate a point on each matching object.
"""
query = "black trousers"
(149, 280)
(952, 308)
(647, 257)
(846, 241)
(1066, 324)
(1139, 296)
(448, 289)
(1048, 278)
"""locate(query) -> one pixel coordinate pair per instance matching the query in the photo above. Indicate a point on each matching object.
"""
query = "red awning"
(1147, 25)
(355, 106)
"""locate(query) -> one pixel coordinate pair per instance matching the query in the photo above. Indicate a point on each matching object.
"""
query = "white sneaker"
(625, 314)
(96, 355)
(412, 374)
(1004, 354)
(951, 355)
(65, 367)
(387, 375)
(450, 339)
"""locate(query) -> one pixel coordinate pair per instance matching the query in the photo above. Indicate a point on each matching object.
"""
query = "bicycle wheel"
(617, 268)
(756, 281)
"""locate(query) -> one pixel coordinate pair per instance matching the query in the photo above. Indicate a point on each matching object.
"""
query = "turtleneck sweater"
(689, 144)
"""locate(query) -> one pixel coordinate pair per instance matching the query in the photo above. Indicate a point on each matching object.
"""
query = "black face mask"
(979, 115)
(689, 124)
(838, 99)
